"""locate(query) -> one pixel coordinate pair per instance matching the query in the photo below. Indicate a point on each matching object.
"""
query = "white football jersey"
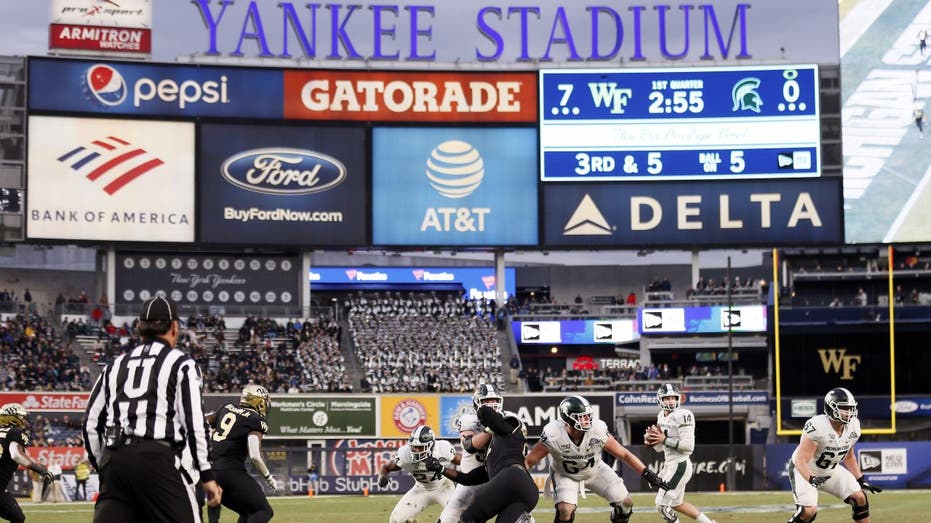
(678, 425)
(469, 422)
(442, 450)
(831, 447)
(569, 459)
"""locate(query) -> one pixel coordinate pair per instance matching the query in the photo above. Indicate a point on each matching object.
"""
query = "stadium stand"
(34, 357)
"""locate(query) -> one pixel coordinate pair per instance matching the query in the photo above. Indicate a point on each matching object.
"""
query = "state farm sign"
(47, 401)
(410, 97)
(67, 457)
(90, 38)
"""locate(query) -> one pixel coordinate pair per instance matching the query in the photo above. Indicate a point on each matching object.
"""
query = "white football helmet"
(486, 394)
(840, 405)
(668, 390)
(421, 443)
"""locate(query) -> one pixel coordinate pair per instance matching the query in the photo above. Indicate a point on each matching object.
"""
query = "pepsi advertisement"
(154, 89)
(654, 214)
(275, 185)
(454, 186)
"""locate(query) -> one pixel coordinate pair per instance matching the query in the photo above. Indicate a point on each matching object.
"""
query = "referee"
(144, 411)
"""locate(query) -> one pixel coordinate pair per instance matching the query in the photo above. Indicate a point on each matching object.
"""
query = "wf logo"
(112, 159)
(839, 362)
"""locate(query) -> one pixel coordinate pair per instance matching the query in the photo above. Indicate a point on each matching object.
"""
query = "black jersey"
(231, 427)
(7, 465)
(506, 448)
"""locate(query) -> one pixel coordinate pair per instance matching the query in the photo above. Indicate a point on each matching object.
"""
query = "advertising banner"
(153, 89)
(111, 180)
(478, 282)
(304, 417)
(753, 212)
(693, 399)
(703, 320)
(282, 185)
(47, 401)
(892, 464)
(576, 332)
(400, 415)
(710, 464)
(100, 40)
(454, 187)
(383, 96)
(347, 466)
(208, 279)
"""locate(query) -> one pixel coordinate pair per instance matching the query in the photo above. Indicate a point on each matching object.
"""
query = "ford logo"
(283, 171)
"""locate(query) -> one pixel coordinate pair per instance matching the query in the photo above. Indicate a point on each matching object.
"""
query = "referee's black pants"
(142, 482)
(244, 496)
(509, 494)
(9, 508)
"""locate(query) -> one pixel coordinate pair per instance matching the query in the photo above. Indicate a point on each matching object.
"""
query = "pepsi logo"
(455, 169)
(106, 84)
(283, 171)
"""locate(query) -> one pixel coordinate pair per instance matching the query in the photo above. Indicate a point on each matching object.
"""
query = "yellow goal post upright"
(780, 430)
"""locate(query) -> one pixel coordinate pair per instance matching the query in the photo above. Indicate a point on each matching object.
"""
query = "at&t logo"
(455, 169)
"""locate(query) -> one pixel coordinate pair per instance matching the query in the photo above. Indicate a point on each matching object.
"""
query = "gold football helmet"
(255, 397)
(13, 415)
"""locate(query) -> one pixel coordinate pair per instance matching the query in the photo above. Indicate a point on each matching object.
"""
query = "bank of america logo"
(112, 160)
(587, 220)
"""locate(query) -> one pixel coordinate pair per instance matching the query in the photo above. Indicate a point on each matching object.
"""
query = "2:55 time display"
(680, 102)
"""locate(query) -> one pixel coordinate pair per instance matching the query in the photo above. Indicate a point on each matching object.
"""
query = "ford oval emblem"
(281, 170)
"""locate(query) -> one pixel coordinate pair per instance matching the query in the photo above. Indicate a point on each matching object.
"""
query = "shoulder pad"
(444, 449)
(469, 422)
(599, 429)
(404, 457)
(684, 416)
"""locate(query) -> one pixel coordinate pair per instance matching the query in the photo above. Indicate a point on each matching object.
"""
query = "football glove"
(272, 484)
(48, 477)
(866, 485)
(485, 415)
(817, 481)
(433, 464)
(654, 480)
(382, 481)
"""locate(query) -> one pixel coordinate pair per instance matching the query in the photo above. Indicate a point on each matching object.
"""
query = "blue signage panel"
(674, 124)
(693, 399)
(702, 320)
(751, 212)
(278, 185)
(451, 407)
(478, 282)
(575, 332)
(454, 187)
(154, 89)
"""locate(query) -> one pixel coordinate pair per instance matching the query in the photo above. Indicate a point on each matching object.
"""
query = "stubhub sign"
(153, 89)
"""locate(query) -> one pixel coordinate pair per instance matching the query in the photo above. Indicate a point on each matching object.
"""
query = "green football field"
(911, 506)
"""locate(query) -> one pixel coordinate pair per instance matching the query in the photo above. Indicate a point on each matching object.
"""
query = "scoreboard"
(680, 124)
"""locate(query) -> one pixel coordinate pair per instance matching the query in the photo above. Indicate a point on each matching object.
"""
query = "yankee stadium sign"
(538, 31)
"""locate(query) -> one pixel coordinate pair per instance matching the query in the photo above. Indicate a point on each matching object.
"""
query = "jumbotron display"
(680, 124)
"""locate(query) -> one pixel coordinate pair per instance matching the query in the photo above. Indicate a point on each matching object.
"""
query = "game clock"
(680, 124)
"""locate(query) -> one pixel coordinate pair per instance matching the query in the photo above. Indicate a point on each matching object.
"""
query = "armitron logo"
(587, 220)
(106, 84)
(283, 171)
(837, 361)
(111, 159)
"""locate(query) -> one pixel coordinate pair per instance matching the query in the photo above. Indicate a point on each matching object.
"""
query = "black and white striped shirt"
(151, 392)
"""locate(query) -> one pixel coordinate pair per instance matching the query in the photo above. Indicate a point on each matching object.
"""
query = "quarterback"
(827, 440)
(576, 441)
(674, 435)
(429, 487)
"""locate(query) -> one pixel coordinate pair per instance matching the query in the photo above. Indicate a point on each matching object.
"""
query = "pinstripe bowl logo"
(283, 171)
(105, 84)
(408, 415)
(111, 161)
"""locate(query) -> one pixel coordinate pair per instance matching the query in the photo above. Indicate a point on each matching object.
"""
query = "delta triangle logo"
(587, 220)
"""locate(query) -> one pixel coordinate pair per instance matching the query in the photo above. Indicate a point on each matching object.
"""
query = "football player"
(13, 443)
(828, 440)
(237, 434)
(429, 487)
(472, 458)
(576, 441)
(674, 435)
